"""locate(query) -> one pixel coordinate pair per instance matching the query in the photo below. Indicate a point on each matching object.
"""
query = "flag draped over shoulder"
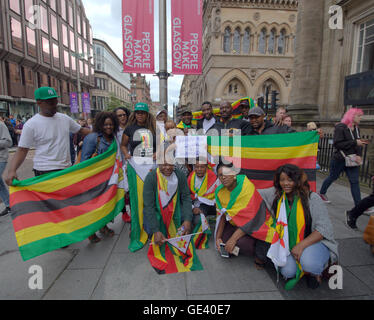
(167, 258)
(260, 156)
(245, 208)
(136, 174)
(60, 208)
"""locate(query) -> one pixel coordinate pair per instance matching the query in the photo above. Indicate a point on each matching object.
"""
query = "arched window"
(237, 41)
(247, 40)
(227, 40)
(281, 42)
(272, 42)
(262, 41)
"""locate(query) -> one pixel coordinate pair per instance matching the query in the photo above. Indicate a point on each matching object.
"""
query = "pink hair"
(349, 116)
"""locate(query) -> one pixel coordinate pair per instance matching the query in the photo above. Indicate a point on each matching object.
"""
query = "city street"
(108, 270)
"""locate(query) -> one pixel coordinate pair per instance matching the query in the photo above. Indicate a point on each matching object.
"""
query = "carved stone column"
(309, 35)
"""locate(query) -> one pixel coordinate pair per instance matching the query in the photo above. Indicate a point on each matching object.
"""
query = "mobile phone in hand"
(224, 253)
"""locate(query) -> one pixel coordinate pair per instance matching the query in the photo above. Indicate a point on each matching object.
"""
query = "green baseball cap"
(141, 106)
(45, 93)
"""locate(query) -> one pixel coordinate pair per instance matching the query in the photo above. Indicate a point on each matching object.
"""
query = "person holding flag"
(168, 212)
(203, 183)
(186, 122)
(243, 220)
(310, 245)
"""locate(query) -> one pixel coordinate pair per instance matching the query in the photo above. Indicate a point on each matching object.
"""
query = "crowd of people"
(186, 191)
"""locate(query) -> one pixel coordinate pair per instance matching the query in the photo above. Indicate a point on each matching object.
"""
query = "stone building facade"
(54, 53)
(247, 46)
(140, 89)
(326, 56)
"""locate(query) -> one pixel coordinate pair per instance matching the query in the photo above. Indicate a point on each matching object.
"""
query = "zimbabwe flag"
(245, 208)
(166, 258)
(136, 174)
(260, 156)
(61, 208)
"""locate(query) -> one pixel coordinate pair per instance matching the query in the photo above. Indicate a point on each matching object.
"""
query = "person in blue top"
(104, 131)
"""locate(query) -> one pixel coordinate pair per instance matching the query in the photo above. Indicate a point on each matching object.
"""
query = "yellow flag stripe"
(49, 229)
(140, 186)
(69, 179)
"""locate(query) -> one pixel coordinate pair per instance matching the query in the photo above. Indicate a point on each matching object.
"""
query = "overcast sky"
(105, 19)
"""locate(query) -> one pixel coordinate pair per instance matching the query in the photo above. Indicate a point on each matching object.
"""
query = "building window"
(31, 42)
(66, 61)
(15, 6)
(247, 40)
(63, 9)
(227, 40)
(85, 29)
(72, 41)
(54, 26)
(365, 57)
(44, 18)
(262, 42)
(46, 50)
(52, 3)
(271, 42)
(16, 28)
(73, 63)
(79, 50)
(236, 45)
(64, 31)
(281, 42)
(79, 23)
(56, 56)
(81, 67)
(29, 11)
(71, 15)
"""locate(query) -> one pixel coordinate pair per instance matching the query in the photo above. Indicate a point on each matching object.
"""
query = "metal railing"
(325, 152)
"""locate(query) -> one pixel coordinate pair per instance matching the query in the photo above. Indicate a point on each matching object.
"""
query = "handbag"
(350, 160)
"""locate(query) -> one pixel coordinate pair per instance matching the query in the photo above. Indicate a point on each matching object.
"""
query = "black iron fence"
(326, 149)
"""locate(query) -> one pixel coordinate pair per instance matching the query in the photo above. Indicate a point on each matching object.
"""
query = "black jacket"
(201, 121)
(244, 126)
(270, 128)
(344, 141)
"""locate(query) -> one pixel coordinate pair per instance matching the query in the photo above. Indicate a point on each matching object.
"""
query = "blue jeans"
(336, 168)
(4, 194)
(313, 260)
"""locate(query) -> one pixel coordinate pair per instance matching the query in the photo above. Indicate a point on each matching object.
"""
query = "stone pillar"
(309, 36)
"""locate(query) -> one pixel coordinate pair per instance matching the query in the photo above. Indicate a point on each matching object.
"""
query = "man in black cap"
(244, 109)
(208, 120)
(186, 122)
(226, 122)
(261, 126)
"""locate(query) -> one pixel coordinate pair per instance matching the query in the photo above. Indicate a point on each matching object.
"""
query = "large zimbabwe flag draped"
(61, 208)
(260, 156)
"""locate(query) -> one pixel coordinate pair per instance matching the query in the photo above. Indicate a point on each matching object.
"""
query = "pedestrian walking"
(103, 135)
(5, 144)
(347, 143)
(48, 132)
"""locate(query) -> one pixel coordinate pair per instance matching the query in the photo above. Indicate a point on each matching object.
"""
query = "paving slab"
(130, 276)
(270, 295)
(365, 274)
(354, 252)
(226, 276)
(352, 286)
(74, 285)
(15, 273)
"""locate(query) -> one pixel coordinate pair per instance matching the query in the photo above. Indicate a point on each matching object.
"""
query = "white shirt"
(207, 124)
(51, 140)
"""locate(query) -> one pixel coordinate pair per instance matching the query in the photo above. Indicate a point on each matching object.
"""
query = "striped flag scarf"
(245, 208)
(60, 208)
(206, 194)
(296, 232)
(166, 259)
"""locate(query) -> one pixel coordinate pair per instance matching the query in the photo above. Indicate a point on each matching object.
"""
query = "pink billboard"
(138, 36)
(186, 36)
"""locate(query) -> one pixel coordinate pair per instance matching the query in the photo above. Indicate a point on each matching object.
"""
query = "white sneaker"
(369, 211)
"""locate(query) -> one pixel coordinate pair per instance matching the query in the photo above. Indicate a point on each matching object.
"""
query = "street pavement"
(108, 270)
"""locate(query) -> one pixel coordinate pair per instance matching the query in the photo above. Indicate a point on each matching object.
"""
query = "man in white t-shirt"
(47, 132)
(209, 119)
